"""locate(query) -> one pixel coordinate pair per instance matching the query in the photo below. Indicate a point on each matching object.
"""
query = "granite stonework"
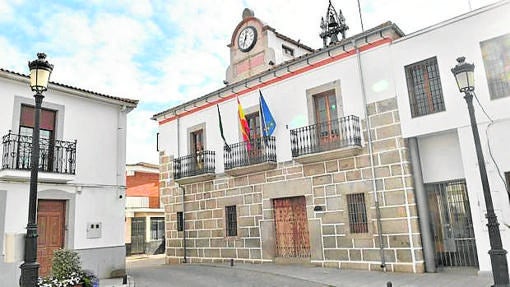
(323, 184)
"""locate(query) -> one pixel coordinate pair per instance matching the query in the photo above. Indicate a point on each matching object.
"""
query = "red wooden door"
(291, 224)
(50, 228)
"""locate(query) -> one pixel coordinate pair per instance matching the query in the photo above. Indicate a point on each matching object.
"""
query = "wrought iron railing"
(241, 154)
(335, 134)
(201, 162)
(54, 155)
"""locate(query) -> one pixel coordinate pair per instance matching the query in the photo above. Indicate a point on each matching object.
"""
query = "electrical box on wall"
(93, 230)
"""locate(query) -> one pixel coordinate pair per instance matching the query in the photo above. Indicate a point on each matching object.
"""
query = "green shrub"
(64, 263)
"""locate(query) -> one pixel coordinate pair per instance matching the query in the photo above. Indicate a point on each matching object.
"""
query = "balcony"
(194, 167)
(244, 158)
(327, 140)
(57, 159)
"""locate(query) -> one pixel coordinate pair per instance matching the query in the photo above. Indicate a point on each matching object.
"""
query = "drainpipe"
(185, 259)
(422, 204)
(370, 153)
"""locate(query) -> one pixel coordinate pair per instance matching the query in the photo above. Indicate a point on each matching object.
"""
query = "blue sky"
(167, 52)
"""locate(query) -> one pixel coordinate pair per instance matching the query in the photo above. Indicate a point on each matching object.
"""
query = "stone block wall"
(324, 184)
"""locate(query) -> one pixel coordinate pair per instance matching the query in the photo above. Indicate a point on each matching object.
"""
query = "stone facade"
(323, 184)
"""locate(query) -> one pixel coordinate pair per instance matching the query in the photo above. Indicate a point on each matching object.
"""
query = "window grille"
(357, 213)
(231, 218)
(496, 59)
(157, 228)
(180, 221)
(424, 87)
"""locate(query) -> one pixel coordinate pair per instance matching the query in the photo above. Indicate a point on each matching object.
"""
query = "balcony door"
(255, 149)
(326, 116)
(46, 137)
(197, 148)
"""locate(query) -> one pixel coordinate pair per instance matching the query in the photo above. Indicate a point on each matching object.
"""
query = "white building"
(423, 208)
(81, 188)
(435, 118)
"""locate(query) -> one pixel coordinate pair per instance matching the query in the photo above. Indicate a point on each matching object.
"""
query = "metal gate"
(137, 235)
(291, 224)
(452, 224)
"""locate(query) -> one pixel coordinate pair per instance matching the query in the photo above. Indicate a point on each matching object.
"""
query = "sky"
(166, 52)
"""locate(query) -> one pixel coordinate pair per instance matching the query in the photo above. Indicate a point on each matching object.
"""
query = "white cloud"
(167, 52)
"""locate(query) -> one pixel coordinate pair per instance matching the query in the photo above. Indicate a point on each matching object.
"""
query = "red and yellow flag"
(243, 124)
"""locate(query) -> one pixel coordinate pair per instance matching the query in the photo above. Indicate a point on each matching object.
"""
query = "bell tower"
(332, 26)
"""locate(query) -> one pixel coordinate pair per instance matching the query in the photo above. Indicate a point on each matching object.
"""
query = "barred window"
(157, 228)
(231, 220)
(180, 221)
(357, 213)
(424, 87)
(496, 59)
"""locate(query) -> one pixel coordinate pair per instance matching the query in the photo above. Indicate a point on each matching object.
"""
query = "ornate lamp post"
(40, 71)
(464, 74)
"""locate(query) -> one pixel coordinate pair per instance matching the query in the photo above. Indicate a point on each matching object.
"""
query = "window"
(424, 87)
(326, 116)
(288, 51)
(157, 228)
(253, 120)
(47, 136)
(496, 59)
(180, 221)
(357, 213)
(231, 220)
(197, 148)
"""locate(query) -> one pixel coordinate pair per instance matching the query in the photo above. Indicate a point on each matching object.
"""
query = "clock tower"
(256, 47)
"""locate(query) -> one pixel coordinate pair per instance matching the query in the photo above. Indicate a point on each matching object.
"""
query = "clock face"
(247, 39)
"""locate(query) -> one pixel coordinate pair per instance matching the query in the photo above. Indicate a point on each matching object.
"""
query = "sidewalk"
(358, 278)
(114, 282)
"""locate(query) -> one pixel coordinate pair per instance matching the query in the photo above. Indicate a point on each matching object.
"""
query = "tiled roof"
(125, 100)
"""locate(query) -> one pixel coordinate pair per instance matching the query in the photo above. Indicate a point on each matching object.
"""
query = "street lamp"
(464, 74)
(40, 71)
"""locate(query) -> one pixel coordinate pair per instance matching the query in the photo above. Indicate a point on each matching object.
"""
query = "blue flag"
(268, 123)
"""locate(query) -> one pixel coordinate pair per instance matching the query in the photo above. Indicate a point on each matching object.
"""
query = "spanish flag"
(243, 124)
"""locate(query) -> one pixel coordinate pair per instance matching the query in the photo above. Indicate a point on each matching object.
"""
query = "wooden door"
(291, 224)
(326, 118)
(50, 228)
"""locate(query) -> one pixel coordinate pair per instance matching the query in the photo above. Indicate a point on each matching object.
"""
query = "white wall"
(440, 157)
(97, 193)
(288, 104)
(446, 143)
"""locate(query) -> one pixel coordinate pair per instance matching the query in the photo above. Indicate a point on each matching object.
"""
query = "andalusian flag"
(268, 122)
(243, 124)
(227, 147)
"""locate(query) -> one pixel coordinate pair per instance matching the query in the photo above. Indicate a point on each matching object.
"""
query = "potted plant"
(66, 271)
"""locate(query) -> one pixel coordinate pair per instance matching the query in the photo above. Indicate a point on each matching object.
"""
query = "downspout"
(423, 210)
(185, 258)
(370, 154)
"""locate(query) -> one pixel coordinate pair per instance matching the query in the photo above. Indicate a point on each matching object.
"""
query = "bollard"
(231, 262)
(389, 284)
(124, 279)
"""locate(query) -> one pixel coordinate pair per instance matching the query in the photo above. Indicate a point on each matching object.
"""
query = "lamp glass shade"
(40, 71)
(465, 80)
(39, 79)
(464, 75)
